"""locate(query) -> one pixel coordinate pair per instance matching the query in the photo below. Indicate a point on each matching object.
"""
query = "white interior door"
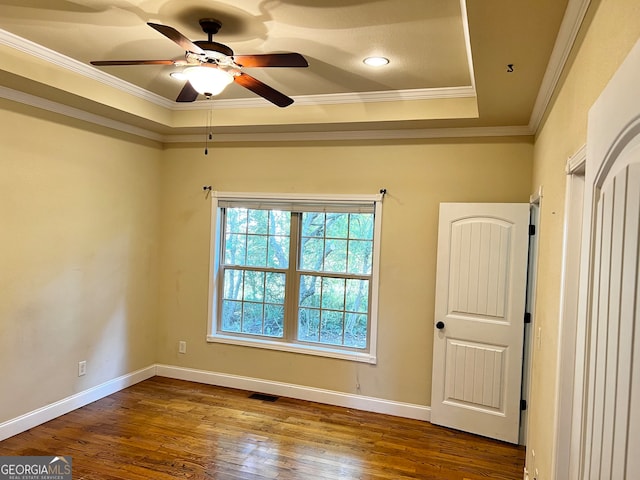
(607, 426)
(479, 318)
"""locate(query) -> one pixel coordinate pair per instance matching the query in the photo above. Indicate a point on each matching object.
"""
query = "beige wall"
(612, 27)
(79, 218)
(417, 176)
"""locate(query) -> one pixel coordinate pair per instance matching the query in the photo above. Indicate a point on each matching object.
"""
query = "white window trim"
(319, 350)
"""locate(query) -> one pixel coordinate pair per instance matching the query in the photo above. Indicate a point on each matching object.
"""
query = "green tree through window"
(298, 275)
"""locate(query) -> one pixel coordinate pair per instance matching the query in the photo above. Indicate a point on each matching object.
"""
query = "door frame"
(535, 206)
(568, 321)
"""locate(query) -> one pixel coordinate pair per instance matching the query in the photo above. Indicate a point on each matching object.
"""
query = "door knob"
(440, 325)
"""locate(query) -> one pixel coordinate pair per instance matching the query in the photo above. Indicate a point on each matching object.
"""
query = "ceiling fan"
(211, 66)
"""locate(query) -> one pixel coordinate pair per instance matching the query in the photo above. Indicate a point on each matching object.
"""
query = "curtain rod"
(383, 191)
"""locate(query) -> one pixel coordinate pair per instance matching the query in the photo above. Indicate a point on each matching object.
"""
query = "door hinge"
(532, 229)
(527, 317)
(523, 405)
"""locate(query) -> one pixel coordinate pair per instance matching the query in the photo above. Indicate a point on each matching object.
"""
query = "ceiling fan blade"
(105, 63)
(172, 34)
(187, 94)
(265, 91)
(271, 60)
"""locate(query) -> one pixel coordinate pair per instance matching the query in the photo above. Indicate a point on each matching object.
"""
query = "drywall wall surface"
(79, 222)
(417, 176)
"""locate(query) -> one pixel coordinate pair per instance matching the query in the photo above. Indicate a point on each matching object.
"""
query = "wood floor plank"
(166, 429)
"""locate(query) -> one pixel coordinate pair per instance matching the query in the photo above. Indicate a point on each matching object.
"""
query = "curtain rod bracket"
(383, 191)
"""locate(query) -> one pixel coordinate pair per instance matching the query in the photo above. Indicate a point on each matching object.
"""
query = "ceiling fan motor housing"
(211, 26)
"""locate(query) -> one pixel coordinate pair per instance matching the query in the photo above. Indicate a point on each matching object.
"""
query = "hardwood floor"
(164, 429)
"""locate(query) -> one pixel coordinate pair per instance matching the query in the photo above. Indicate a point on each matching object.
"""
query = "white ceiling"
(448, 60)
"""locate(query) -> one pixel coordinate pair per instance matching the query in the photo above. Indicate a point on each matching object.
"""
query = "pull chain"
(208, 132)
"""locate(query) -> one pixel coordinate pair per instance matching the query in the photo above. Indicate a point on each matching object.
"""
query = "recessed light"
(178, 75)
(376, 61)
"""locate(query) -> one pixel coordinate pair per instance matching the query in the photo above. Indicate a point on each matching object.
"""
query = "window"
(296, 273)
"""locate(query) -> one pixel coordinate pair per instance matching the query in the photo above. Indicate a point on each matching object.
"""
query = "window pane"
(323, 247)
(361, 226)
(256, 250)
(233, 284)
(258, 238)
(333, 293)
(336, 256)
(279, 223)
(357, 296)
(312, 254)
(258, 222)
(231, 315)
(235, 249)
(252, 318)
(313, 224)
(278, 252)
(355, 331)
(275, 287)
(360, 253)
(253, 286)
(309, 291)
(337, 225)
(308, 325)
(236, 221)
(331, 327)
(274, 320)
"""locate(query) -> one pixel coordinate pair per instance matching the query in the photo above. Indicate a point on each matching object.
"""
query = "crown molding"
(569, 28)
(72, 112)
(38, 51)
(355, 135)
(339, 98)
(405, 134)
(467, 42)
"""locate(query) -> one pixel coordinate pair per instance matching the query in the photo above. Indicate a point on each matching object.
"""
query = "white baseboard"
(359, 402)
(330, 397)
(49, 412)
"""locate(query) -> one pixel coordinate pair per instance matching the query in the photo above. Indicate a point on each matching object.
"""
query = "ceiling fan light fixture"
(208, 80)
(178, 75)
(376, 61)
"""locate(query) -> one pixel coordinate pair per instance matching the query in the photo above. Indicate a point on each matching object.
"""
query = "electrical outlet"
(182, 347)
(82, 368)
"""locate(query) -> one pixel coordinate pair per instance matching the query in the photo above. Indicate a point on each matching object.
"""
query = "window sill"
(293, 348)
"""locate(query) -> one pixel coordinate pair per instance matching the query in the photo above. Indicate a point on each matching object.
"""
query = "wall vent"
(264, 397)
